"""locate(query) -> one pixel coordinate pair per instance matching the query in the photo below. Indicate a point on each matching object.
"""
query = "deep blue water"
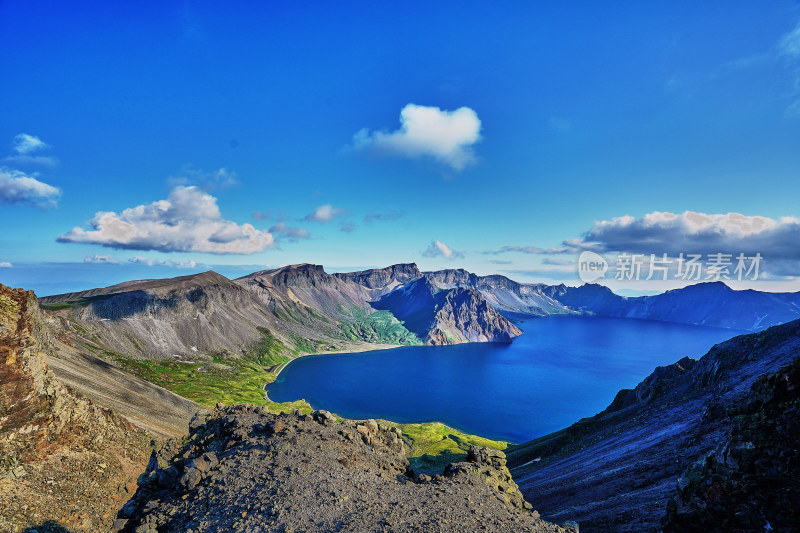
(562, 369)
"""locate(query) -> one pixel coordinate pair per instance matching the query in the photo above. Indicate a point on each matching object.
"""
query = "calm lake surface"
(562, 369)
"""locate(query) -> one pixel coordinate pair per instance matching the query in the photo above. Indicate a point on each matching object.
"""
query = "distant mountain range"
(308, 310)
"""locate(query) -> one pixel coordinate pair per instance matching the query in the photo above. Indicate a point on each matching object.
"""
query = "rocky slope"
(244, 469)
(63, 459)
(751, 482)
(710, 304)
(447, 316)
(382, 280)
(616, 471)
(301, 307)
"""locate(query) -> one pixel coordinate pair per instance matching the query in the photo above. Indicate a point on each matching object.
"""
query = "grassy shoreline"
(430, 445)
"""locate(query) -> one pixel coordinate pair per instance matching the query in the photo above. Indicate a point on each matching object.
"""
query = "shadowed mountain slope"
(617, 470)
(709, 304)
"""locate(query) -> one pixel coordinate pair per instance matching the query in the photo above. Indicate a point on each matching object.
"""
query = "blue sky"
(274, 133)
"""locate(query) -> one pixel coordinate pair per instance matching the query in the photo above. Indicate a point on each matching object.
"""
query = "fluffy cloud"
(188, 221)
(5, 264)
(324, 213)
(19, 188)
(100, 259)
(447, 136)
(293, 234)
(690, 232)
(138, 260)
(347, 227)
(440, 249)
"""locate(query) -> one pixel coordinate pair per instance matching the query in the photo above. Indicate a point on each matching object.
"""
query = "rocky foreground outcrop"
(63, 459)
(245, 469)
(752, 482)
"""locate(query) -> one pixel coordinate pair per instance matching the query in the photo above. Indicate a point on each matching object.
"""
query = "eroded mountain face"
(447, 316)
(245, 469)
(62, 458)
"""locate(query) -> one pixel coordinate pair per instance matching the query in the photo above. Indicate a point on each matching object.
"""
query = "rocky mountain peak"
(378, 278)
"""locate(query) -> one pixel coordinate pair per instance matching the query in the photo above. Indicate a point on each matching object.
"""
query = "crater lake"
(561, 369)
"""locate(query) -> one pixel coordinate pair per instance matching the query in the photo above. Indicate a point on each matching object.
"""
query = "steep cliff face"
(616, 471)
(383, 280)
(447, 316)
(62, 458)
(244, 469)
(463, 315)
(501, 292)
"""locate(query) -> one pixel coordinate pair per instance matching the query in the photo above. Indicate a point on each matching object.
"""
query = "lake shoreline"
(357, 349)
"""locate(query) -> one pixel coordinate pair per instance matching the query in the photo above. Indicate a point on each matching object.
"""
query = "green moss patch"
(432, 446)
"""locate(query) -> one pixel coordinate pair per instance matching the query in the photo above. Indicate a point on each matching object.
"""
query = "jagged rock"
(447, 316)
(318, 476)
(55, 445)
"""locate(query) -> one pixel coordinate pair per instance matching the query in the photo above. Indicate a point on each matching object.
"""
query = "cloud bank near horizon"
(188, 221)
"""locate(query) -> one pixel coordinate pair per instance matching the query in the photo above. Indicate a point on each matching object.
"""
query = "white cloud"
(690, 232)
(447, 136)
(138, 260)
(26, 144)
(324, 213)
(188, 221)
(100, 259)
(440, 249)
(19, 188)
(5, 264)
(293, 234)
